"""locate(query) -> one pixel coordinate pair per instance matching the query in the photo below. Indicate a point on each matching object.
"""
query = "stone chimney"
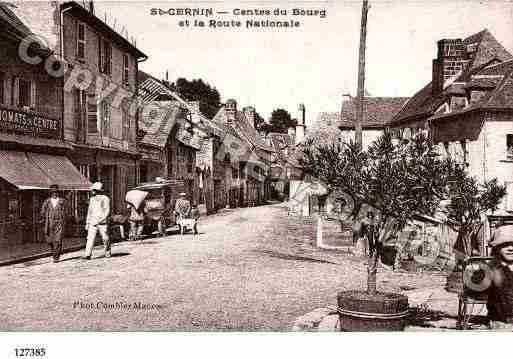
(249, 112)
(451, 58)
(231, 110)
(300, 127)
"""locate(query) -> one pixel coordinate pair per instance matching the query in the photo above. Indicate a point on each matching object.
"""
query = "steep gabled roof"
(9, 17)
(157, 121)
(243, 129)
(283, 145)
(488, 51)
(377, 112)
(153, 90)
(488, 48)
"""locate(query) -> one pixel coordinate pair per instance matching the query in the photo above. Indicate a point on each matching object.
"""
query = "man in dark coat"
(53, 213)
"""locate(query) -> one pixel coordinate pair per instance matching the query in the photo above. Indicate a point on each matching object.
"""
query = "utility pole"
(361, 76)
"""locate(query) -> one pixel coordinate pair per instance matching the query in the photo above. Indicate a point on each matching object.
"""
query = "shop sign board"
(28, 123)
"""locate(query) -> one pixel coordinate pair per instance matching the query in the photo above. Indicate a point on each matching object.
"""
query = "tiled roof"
(8, 16)
(488, 48)
(498, 69)
(283, 145)
(424, 103)
(151, 89)
(242, 128)
(157, 121)
(485, 83)
(377, 111)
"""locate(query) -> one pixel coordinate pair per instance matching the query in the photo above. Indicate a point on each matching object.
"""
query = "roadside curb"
(34, 257)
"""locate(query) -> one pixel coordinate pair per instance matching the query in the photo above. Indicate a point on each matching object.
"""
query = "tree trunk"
(372, 270)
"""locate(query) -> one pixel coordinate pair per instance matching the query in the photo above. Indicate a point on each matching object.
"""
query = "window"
(80, 111)
(125, 69)
(126, 124)
(81, 40)
(105, 117)
(2, 85)
(509, 146)
(104, 56)
(24, 93)
(92, 114)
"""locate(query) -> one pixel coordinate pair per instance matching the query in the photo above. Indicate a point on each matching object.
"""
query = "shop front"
(32, 158)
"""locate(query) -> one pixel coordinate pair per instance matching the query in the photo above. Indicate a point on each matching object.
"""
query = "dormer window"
(471, 48)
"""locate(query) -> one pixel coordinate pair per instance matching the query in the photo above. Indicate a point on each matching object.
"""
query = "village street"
(249, 269)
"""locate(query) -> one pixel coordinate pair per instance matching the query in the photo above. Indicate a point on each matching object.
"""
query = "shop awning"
(27, 170)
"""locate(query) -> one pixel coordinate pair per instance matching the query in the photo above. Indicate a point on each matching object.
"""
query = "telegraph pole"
(361, 76)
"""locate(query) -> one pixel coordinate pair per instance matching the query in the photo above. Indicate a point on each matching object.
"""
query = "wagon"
(159, 204)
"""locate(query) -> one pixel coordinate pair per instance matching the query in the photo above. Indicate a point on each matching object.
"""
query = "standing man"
(98, 216)
(53, 213)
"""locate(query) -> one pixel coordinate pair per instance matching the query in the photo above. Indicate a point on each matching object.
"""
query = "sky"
(315, 63)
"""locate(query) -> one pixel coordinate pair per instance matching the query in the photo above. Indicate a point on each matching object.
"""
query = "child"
(500, 293)
(195, 214)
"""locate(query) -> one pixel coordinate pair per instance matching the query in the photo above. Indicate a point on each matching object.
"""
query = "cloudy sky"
(314, 63)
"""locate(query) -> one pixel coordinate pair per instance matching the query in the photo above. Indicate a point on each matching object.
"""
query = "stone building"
(33, 151)
(284, 165)
(467, 108)
(99, 80)
(169, 138)
(250, 156)
(377, 113)
(307, 196)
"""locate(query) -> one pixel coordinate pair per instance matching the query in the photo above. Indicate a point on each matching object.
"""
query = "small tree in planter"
(400, 179)
(468, 203)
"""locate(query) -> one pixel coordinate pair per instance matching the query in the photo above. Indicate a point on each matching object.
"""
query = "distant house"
(284, 165)
(253, 153)
(168, 139)
(467, 108)
(377, 113)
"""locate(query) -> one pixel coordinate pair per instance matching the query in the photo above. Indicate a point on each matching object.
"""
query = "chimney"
(231, 110)
(90, 6)
(451, 58)
(300, 126)
(301, 114)
(249, 112)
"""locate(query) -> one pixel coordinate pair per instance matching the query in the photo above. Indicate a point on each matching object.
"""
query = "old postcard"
(255, 166)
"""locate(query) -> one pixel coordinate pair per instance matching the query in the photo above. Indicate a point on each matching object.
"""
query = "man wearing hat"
(97, 220)
(53, 214)
(500, 293)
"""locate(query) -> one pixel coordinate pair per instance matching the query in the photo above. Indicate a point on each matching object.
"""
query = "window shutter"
(100, 58)
(14, 93)
(92, 114)
(33, 95)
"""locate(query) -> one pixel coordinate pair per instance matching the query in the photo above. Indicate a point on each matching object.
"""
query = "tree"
(281, 121)
(400, 179)
(198, 90)
(469, 202)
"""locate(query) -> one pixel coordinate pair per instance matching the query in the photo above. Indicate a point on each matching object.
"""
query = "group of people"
(54, 214)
